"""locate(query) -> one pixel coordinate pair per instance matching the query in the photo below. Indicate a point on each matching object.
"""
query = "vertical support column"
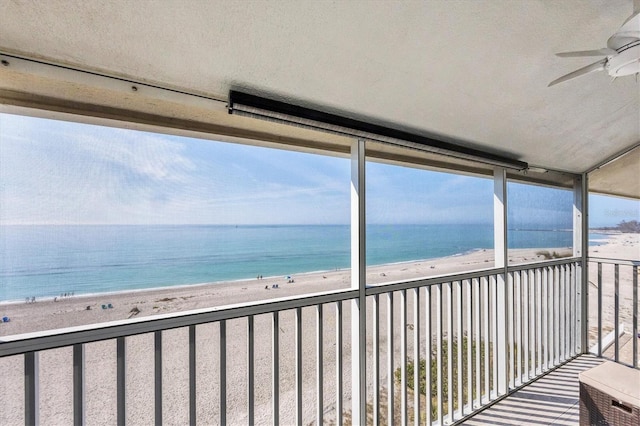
(358, 282)
(501, 261)
(581, 250)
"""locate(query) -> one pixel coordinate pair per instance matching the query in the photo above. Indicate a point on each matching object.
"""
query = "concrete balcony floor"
(551, 400)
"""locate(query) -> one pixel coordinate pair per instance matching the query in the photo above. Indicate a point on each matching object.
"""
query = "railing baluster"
(579, 270)
(440, 365)
(567, 315)
(403, 356)
(524, 291)
(450, 390)
(223, 372)
(192, 375)
(494, 333)
(416, 356)
(157, 383)
(518, 349)
(510, 332)
(120, 381)
(486, 322)
(298, 365)
(556, 316)
(428, 354)
(275, 385)
(470, 342)
(376, 359)
(551, 333)
(544, 307)
(319, 365)
(616, 313)
(78, 384)
(477, 401)
(390, 392)
(31, 388)
(538, 323)
(635, 316)
(581, 302)
(577, 282)
(339, 363)
(599, 309)
(553, 319)
(459, 321)
(562, 313)
(531, 280)
(572, 309)
(250, 370)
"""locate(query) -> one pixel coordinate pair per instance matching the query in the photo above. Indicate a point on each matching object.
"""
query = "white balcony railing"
(614, 308)
(481, 335)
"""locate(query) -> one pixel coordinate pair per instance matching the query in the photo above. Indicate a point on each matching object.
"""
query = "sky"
(55, 172)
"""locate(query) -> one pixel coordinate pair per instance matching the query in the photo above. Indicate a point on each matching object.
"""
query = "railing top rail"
(51, 339)
(425, 282)
(543, 263)
(439, 279)
(615, 261)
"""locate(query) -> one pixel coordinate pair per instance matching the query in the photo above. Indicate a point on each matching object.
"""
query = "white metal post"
(31, 388)
(78, 385)
(358, 282)
(500, 245)
(580, 249)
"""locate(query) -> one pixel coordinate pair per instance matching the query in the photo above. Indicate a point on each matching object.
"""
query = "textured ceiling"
(475, 72)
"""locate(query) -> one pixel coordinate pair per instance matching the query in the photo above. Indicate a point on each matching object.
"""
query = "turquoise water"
(46, 261)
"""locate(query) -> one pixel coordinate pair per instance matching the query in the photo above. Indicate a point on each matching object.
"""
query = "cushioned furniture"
(610, 395)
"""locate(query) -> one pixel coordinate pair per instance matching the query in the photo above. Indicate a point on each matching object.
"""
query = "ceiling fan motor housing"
(625, 63)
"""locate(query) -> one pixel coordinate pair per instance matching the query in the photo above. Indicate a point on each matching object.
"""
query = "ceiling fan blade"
(631, 25)
(597, 66)
(598, 52)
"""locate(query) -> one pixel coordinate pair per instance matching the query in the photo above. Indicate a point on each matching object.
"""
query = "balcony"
(509, 330)
(422, 85)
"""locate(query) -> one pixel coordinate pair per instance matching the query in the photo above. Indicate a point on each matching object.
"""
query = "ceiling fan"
(622, 52)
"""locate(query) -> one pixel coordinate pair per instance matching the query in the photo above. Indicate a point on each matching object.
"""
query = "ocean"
(47, 261)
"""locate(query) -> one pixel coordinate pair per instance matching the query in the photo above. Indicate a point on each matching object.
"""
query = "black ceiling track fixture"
(268, 109)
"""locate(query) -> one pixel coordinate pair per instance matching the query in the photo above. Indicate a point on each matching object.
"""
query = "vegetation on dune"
(555, 255)
(458, 378)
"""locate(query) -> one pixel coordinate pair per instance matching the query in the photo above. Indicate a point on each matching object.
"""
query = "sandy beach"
(56, 365)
